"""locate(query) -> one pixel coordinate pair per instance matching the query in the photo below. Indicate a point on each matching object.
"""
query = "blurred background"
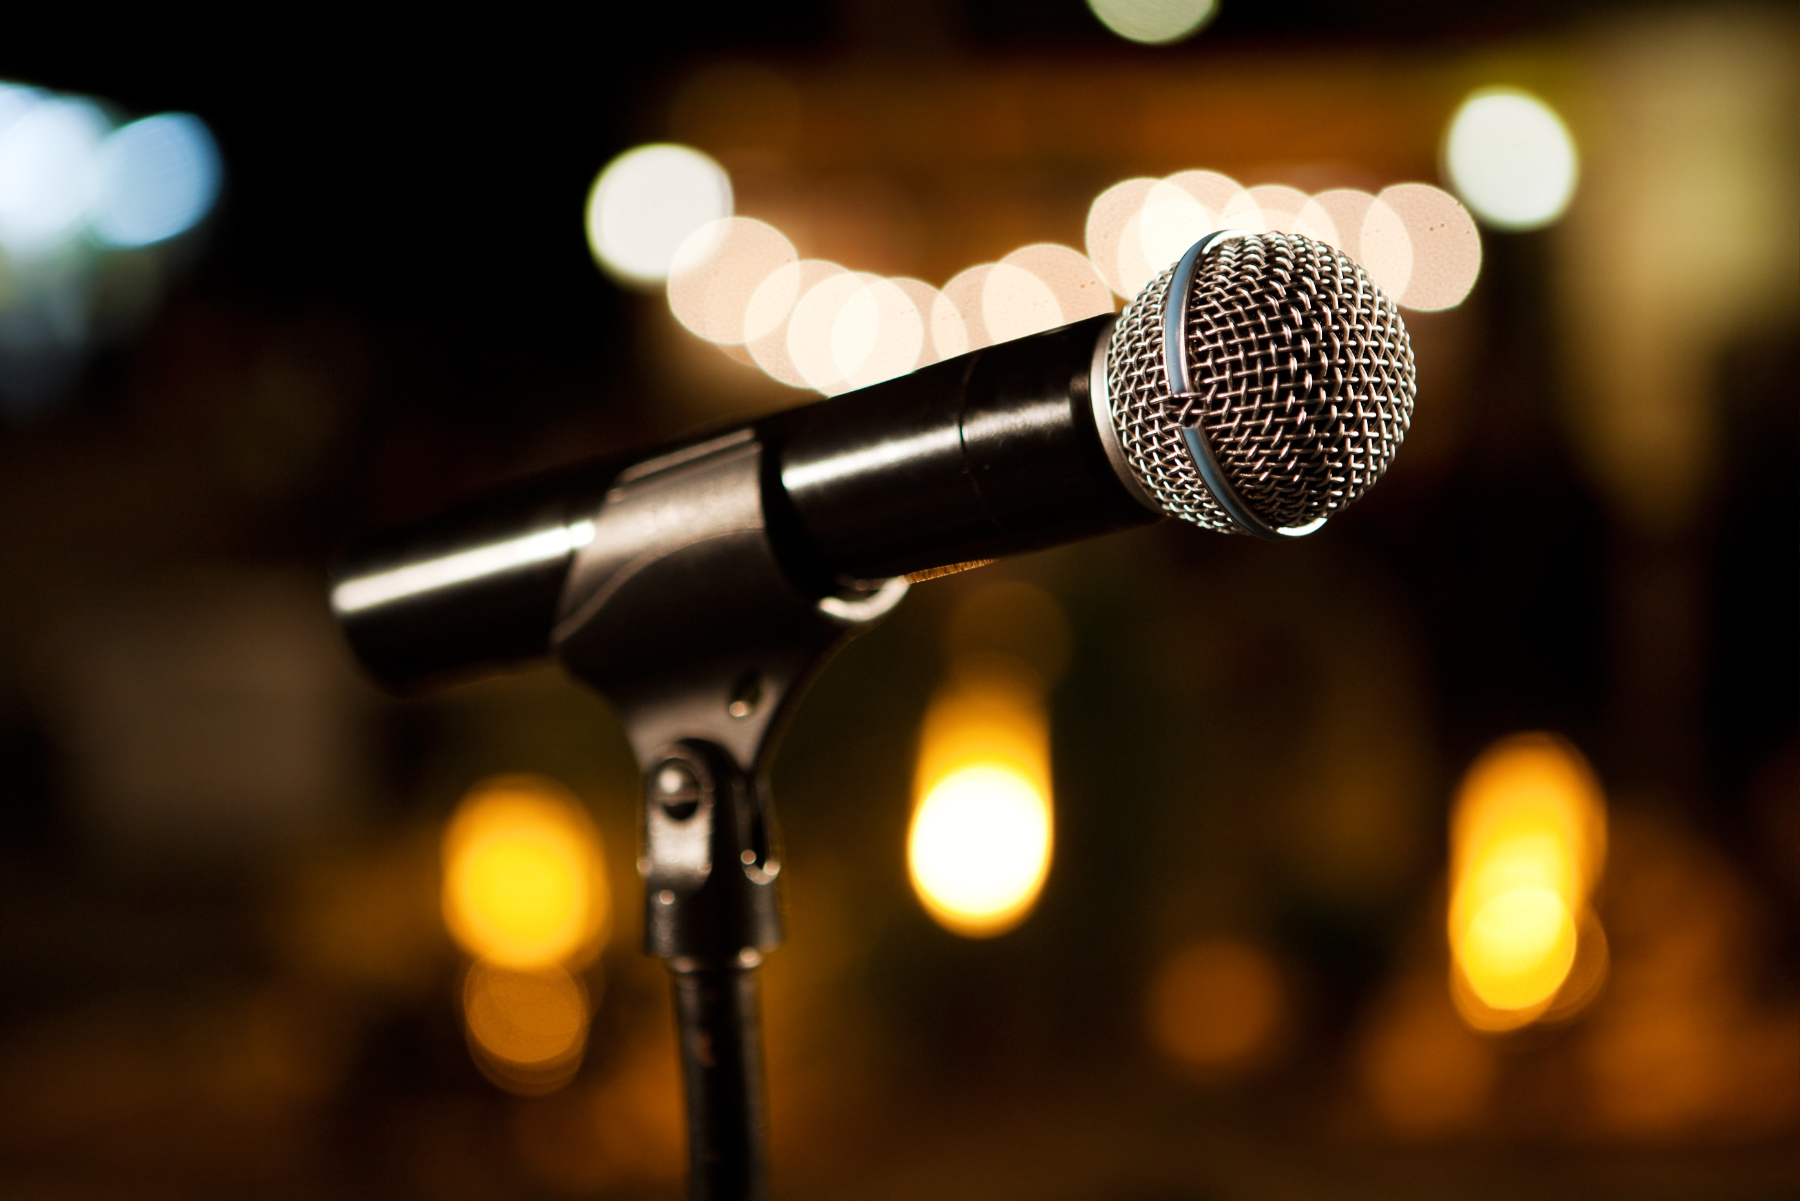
(1452, 851)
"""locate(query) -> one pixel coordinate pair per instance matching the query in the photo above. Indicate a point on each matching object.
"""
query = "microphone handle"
(993, 453)
(996, 452)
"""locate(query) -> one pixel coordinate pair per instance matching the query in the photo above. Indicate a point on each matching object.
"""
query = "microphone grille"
(1300, 378)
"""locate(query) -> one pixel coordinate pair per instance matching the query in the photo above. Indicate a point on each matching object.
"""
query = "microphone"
(1259, 385)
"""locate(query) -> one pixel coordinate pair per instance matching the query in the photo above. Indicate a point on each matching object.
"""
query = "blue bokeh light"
(158, 178)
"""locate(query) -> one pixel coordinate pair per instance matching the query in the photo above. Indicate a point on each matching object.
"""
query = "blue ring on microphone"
(1181, 388)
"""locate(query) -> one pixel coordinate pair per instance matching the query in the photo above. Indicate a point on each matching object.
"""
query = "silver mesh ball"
(1302, 375)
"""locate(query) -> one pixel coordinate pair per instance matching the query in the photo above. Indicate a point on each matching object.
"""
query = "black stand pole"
(710, 913)
(717, 1015)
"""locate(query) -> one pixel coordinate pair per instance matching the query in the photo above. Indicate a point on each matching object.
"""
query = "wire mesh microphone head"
(1294, 389)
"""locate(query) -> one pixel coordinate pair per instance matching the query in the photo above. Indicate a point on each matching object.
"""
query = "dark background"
(394, 307)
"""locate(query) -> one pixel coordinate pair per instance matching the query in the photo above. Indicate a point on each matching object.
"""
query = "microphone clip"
(679, 612)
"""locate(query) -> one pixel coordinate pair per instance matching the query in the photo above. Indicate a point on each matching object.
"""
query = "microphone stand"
(680, 613)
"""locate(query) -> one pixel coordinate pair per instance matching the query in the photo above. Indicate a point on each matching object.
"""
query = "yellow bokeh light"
(524, 881)
(979, 847)
(527, 1029)
(1528, 840)
(1524, 940)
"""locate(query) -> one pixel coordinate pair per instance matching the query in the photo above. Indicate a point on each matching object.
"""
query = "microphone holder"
(678, 610)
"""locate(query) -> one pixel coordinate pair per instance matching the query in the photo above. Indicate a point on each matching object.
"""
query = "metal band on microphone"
(1181, 387)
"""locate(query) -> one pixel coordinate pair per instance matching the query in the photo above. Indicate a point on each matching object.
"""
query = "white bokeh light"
(1511, 159)
(1040, 287)
(647, 203)
(769, 322)
(737, 282)
(1154, 22)
(1279, 206)
(1171, 221)
(1108, 218)
(1015, 302)
(833, 329)
(1444, 244)
(1336, 217)
(924, 300)
(880, 334)
(716, 275)
(958, 323)
(49, 174)
(1385, 249)
(157, 178)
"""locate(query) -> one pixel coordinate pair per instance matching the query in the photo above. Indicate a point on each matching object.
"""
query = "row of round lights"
(663, 213)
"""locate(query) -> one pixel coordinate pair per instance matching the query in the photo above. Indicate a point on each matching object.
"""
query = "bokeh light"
(646, 203)
(1041, 287)
(737, 281)
(1279, 206)
(524, 880)
(1528, 838)
(1385, 249)
(982, 831)
(1335, 217)
(1511, 158)
(1171, 220)
(717, 271)
(957, 321)
(1108, 218)
(48, 177)
(1154, 22)
(1425, 1073)
(850, 330)
(880, 334)
(1443, 243)
(980, 847)
(1216, 1005)
(527, 1028)
(83, 210)
(1418, 244)
(157, 178)
(924, 299)
(769, 323)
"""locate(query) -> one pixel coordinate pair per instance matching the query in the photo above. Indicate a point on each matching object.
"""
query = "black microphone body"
(995, 452)
(988, 454)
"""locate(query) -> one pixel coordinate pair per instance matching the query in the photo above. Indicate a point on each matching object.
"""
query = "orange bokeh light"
(1216, 1005)
(527, 1029)
(1528, 840)
(524, 881)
